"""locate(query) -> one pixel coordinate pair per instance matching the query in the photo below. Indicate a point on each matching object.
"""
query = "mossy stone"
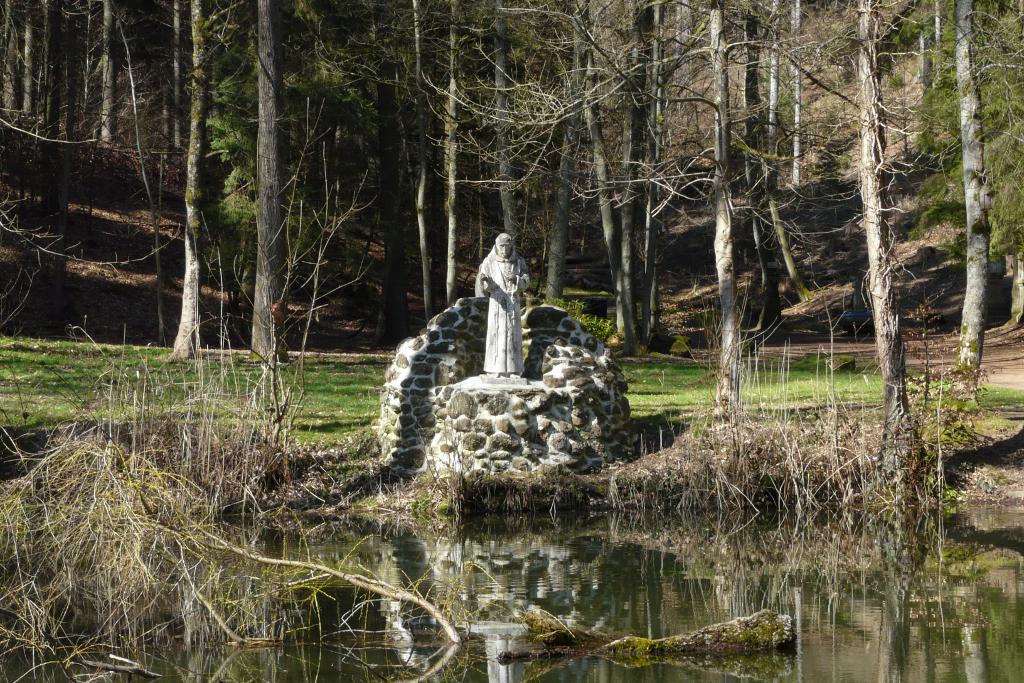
(462, 403)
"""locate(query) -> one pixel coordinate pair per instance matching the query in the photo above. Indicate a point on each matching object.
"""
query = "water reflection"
(873, 602)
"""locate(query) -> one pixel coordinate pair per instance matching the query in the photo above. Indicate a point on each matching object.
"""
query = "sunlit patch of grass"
(47, 383)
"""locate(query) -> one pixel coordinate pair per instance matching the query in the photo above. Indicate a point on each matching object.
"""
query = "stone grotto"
(568, 411)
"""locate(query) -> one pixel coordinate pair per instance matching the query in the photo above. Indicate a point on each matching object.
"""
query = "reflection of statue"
(501, 278)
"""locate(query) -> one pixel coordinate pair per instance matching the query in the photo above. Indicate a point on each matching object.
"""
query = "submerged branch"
(366, 583)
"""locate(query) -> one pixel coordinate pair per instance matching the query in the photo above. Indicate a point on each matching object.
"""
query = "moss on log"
(548, 630)
(760, 632)
(764, 630)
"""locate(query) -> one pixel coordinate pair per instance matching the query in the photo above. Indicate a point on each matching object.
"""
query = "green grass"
(46, 383)
(671, 388)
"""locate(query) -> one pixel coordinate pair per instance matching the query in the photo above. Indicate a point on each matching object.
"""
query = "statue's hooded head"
(504, 247)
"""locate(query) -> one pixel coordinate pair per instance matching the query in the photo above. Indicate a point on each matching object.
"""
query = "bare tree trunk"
(652, 224)
(728, 394)
(187, 342)
(604, 191)
(632, 146)
(52, 95)
(685, 33)
(152, 199)
(772, 179)
(270, 256)
(508, 202)
(1017, 291)
(64, 192)
(395, 311)
(924, 47)
(176, 101)
(756, 173)
(976, 192)
(451, 154)
(795, 22)
(570, 138)
(108, 122)
(10, 55)
(898, 429)
(28, 76)
(560, 236)
(421, 146)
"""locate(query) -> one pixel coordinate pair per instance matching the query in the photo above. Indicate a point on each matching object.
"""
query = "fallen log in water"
(760, 632)
(129, 667)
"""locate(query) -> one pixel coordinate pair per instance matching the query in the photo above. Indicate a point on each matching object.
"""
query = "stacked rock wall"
(437, 412)
(450, 349)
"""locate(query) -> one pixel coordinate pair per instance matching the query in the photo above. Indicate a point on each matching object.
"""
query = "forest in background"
(360, 157)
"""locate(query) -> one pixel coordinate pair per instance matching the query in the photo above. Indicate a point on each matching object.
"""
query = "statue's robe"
(506, 279)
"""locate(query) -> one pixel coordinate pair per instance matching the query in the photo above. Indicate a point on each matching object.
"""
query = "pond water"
(943, 603)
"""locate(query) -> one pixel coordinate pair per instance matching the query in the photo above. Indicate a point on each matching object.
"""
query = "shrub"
(602, 328)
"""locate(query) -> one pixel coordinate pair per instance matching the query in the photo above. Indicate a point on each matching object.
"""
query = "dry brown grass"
(802, 462)
(115, 535)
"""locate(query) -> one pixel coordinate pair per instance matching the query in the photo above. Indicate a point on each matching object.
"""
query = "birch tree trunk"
(976, 192)
(795, 24)
(508, 202)
(187, 341)
(421, 178)
(451, 153)
(728, 394)
(108, 123)
(270, 256)
(756, 175)
(897, 439)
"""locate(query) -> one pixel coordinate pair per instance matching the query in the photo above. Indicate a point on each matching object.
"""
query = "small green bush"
(602, 328)
(942, 211)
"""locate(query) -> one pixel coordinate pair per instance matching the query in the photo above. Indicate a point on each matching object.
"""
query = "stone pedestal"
(569, 413)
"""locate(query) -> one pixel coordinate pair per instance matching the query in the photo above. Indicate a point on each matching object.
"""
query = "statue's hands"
(485, 284)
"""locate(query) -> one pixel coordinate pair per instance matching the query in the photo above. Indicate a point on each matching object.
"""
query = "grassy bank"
(47, 383)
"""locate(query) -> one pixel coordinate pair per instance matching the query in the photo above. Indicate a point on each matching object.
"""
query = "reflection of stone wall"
(573, 415)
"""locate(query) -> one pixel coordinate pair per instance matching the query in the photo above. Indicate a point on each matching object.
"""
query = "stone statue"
(501, 278)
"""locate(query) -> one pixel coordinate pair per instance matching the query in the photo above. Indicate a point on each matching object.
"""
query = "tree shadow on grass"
(1008, 452)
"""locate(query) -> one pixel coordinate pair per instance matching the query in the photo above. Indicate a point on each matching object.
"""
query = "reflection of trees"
(874, 588)
(894, 633)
